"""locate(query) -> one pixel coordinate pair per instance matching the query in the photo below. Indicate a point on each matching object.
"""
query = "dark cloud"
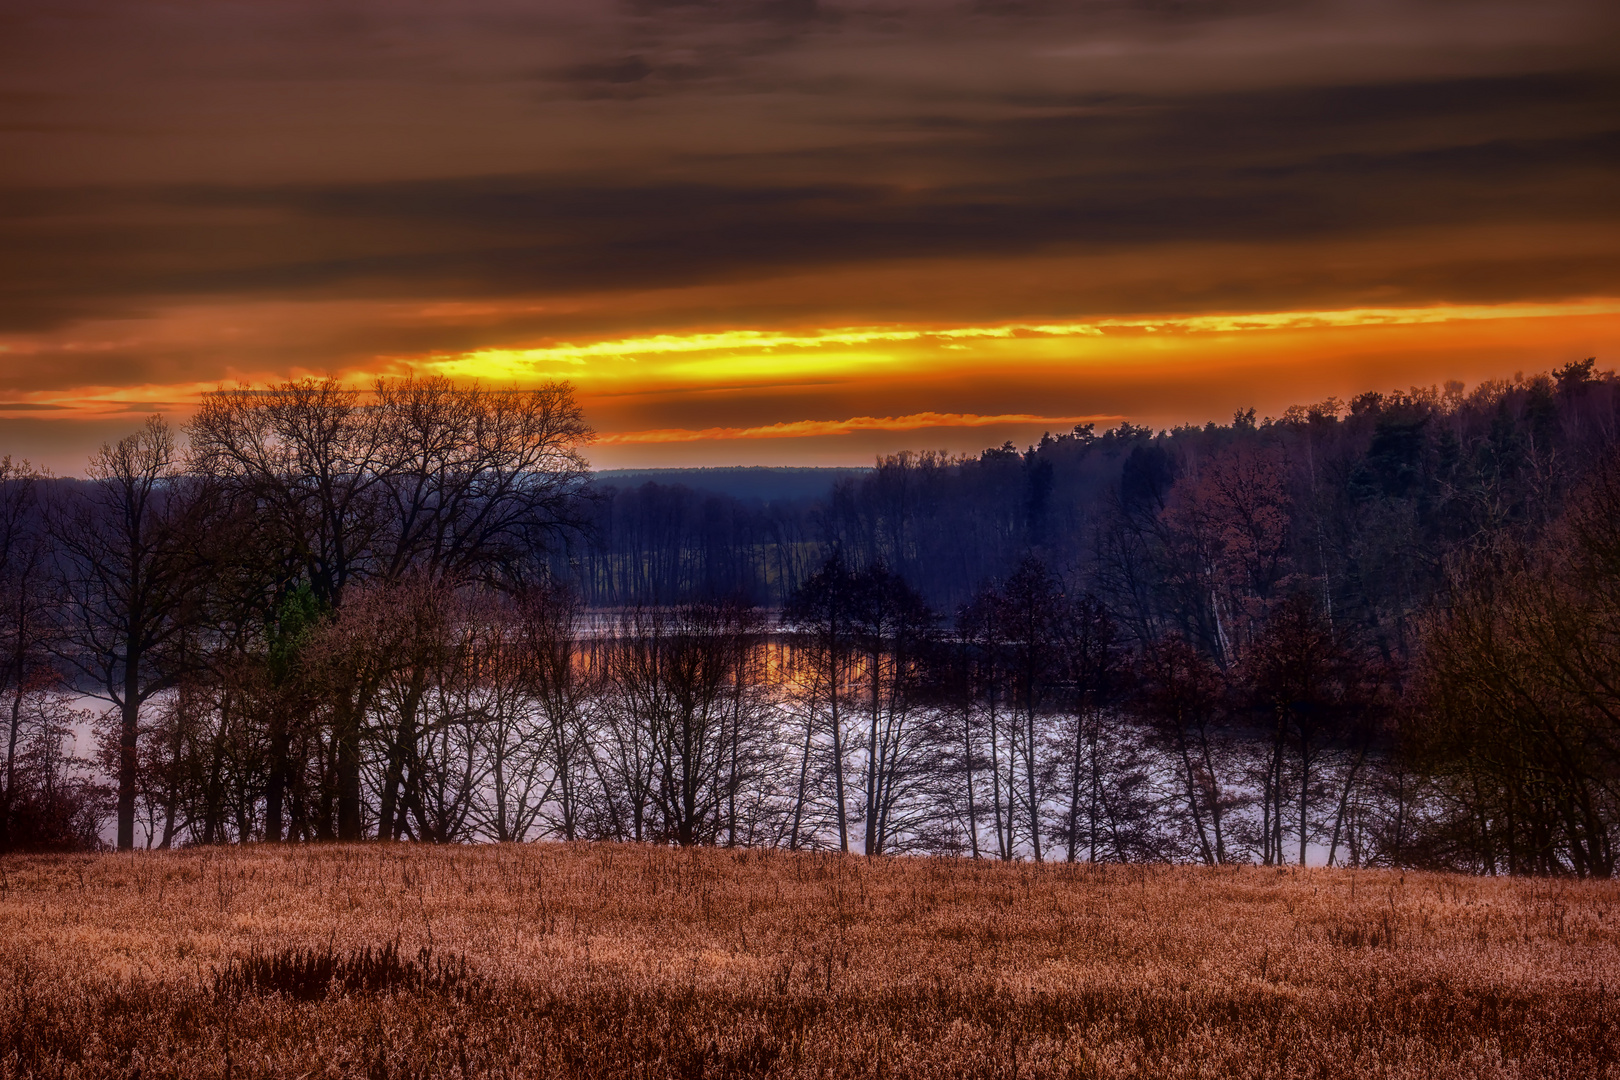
(1258, 168)
(648, 165)
(630, 69)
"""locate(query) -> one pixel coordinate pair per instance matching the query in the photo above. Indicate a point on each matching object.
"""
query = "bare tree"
(674, 698)
(1088, 655)
(422, 476)
(1519, 703)
(1303, 676)
(26, 610)
(514, 739)
(563, 686)
(892, 626)
(130, 567)
(476, 480)
(824, 611)
(1182, 698)
(59, 802)
(1031, 614)
(979, 625)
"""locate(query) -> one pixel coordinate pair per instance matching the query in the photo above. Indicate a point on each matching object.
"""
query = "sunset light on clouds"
(800, 232)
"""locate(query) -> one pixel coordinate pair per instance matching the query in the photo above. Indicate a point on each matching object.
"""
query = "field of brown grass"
(621, 961)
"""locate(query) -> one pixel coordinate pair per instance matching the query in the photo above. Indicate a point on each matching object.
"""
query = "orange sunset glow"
(800, 233)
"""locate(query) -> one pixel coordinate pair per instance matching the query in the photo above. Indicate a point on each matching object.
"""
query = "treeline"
(1378, 491)
(1381, 633)
(236, 605)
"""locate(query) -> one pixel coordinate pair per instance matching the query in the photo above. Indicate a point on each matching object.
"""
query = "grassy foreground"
(610, 961)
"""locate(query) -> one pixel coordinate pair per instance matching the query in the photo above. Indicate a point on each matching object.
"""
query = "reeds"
(625, 961)
(315, 974)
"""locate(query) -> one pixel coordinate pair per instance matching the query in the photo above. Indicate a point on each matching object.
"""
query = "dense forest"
(1375, 633)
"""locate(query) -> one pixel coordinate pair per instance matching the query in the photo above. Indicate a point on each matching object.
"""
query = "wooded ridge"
(1381, 633)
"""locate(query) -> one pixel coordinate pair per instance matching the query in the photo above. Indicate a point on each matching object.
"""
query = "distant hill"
(765, 483)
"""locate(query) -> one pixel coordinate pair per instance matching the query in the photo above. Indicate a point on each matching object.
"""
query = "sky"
(800, 231)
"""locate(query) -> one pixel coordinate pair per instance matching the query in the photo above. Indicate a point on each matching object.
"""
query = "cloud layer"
(204, 191)
(802, 429)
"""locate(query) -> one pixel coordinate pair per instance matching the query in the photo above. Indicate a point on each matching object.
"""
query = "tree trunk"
(1304, 800)
(804, 777)
(128, 729)
(1344, 804)
(347, 735)
(874, 774)
(1214, 793)
(275, 789)
(1074, 786)
(1003, 839)
(967, 748)
(404, 740)
(1192, 799)
(838, 762)
(1096, 799)
(1029, 768)
(10, 792)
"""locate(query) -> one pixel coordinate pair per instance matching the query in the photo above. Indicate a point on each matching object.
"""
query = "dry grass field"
(618, 961)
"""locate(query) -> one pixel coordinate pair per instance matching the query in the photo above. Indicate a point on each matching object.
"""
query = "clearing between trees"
(617, 960)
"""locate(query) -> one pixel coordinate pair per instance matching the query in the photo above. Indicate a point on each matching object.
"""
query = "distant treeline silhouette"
(1379, 633)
